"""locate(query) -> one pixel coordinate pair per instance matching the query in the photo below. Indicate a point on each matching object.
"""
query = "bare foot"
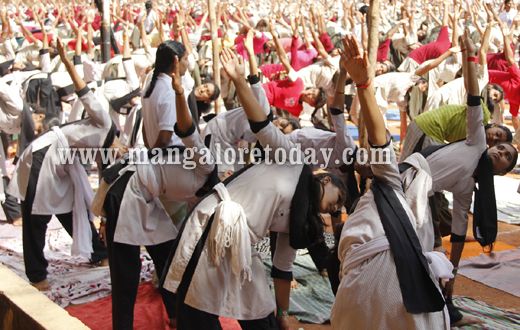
(294, 284)
(173, 323)
(17, 222)
(103, 262)
(470, 238)
(324, 273)
(441, 249)
(43, 285)
(467, 320)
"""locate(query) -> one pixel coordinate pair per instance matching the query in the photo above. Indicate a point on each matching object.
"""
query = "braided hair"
(164, 60)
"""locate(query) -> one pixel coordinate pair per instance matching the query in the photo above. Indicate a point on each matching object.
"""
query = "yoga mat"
(473, 249)
(73, 279)
(499, 270)
(149, 312)
(494, 317)
(354, 132)
(312, 301)
(508, 200)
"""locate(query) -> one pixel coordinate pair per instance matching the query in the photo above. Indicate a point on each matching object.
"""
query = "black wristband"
(335, 111)
(253, 79)
(83, 91)
(280, 274)
(183, 135)
(457, 238)
(473, 101)
(77, 60)
(257, 126)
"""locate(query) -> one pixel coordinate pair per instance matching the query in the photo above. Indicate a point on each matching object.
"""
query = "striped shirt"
(447, 123)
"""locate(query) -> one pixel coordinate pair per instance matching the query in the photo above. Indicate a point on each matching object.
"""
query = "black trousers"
(35, 226)
(11, 206)
(125, 263)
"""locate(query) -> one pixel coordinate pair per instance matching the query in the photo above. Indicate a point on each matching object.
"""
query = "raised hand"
(455, 50)
(468, 44)
(357, 65)
(176, 77)
(248, 42)
(61, 50)
(233, 65)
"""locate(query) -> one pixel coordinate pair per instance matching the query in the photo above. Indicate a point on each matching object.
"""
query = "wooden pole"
(216, 58)
(373, 44)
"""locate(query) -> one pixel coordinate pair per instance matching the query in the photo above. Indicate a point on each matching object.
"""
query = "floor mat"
(508, 201)
(498, 270)
(149, 312)
(496, 318)
(73, 279)
(312, 301)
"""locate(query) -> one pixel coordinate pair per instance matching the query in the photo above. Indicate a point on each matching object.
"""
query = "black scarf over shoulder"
(420, 295)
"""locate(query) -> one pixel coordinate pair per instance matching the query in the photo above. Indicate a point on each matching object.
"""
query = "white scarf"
(418, 187)
(230, 230)
(439, 264)
(83, 197)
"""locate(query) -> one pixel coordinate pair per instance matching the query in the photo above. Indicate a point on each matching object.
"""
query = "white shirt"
(148, 21)
(452, 168)
(507, 17)
(392, 87)
(159, 111)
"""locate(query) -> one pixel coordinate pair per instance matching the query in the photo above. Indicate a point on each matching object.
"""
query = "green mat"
(494, 317)
(312, 301)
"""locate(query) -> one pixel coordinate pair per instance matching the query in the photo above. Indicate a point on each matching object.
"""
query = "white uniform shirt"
(159, 112)
(452, 168)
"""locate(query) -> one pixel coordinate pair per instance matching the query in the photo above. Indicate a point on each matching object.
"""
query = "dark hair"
(515, 158)
(336, 181)
(422, 80)
(50, 120)
(216, 93)
(499, 89)
(317, 190)
(164, 60)
(295, 124)
(148, 5)
(322, 98)
(204, 77)
(506, 130)
(506, 2)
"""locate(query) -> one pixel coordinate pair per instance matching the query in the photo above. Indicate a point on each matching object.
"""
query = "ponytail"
(164, 60)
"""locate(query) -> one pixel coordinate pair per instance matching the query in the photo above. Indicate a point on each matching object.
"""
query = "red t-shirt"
(285, 94)
(382, 51)
(433, 49)
(325, 41)
(497, 61)
(510, 82)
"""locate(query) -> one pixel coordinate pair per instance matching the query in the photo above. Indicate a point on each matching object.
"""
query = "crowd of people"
(291, 74)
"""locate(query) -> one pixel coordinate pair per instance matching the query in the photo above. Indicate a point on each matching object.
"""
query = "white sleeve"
(45, 61)
(94, 108)
(272, 140)
(293, 75)
(131, 77)
(284, 254)
(259, 93)
(11, 97)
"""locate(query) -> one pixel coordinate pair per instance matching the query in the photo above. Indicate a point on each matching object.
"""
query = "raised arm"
(507, 50)
(184, 121)
(435, 63)
(317, 42)
(248, 46)
(396, 27)
(279, 49)
(357, 65)
(26, 32)
(92, 106)
(234, 67)
(482, 53)
(308, 44)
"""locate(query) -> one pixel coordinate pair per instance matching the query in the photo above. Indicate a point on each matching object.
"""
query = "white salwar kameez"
(369, 295)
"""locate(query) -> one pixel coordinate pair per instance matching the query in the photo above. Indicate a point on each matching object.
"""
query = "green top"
(447, 123)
